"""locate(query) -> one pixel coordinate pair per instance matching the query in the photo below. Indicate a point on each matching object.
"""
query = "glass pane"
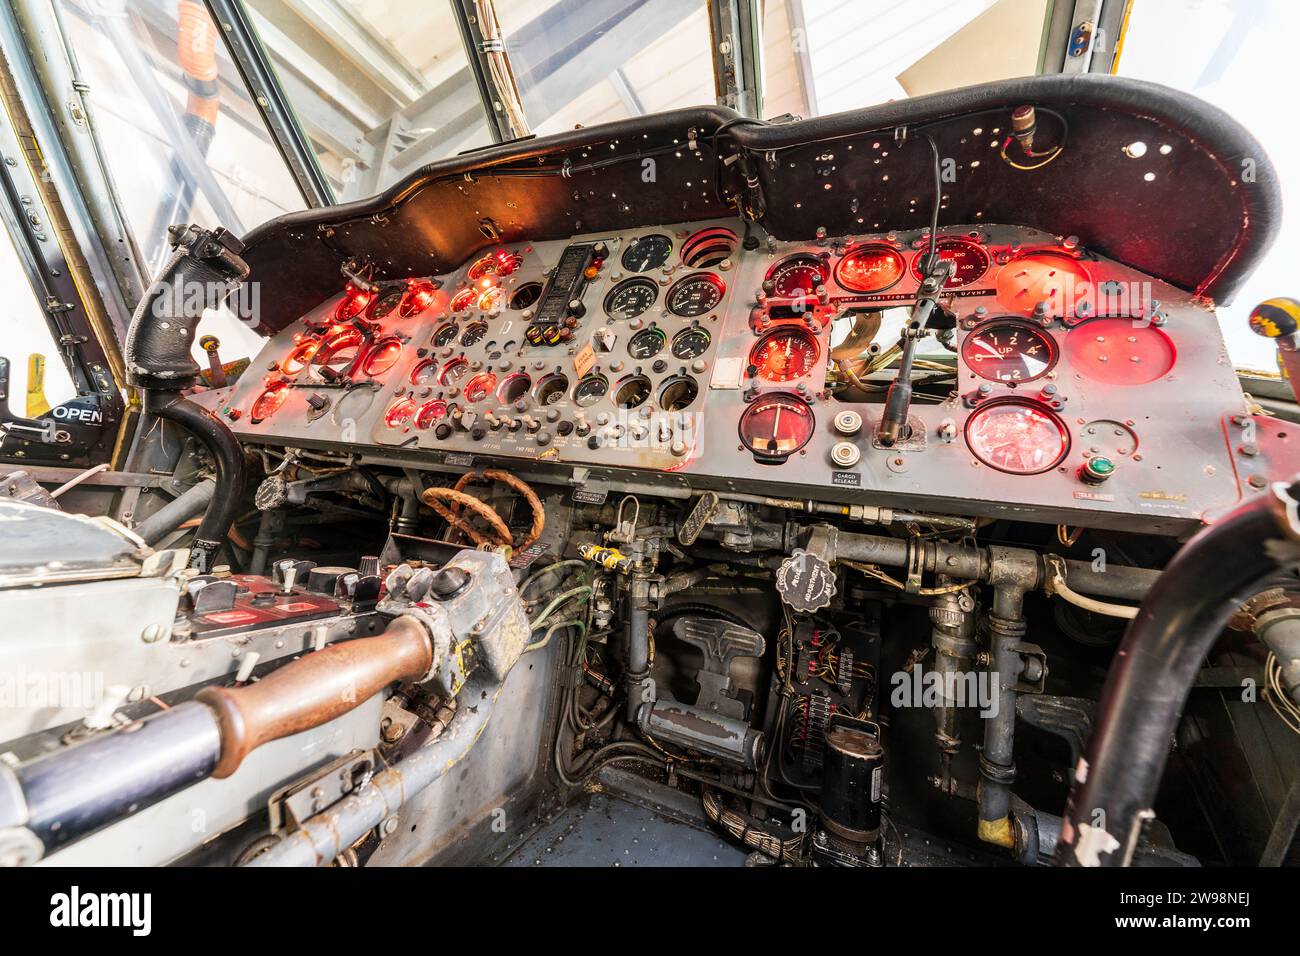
(583, 62)
(380, 87)
(184, 142)
(1232, 54)
(28, 343)
(826, 56)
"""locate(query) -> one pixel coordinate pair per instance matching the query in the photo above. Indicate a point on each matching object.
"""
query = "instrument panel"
(1069, 387)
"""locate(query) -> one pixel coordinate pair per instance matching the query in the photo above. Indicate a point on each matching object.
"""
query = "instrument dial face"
(1016, 437)
(551, 389)
(418, 297)
(464, 299)
(1120, 352)
(480, 387)
(400, 412)
(871, 268)
(1051, 277)
(691, 343)
(430, 412)
(971, 259)
(446, 334)
(269, 402)
(382, 356)
(494, 264)
(647, 343)
(426, 373)
(1009, 352)
(339, 352)
(798, 277)
(695, 294)
(785, 354)
(646, 253)
(776, 426)
(630, 298)
(353, 303)
(300, 357)
(385, 304)
(513, 388)
(474, 333)
(525, 295)
(453, 371)
(493, 300)
(590, 390)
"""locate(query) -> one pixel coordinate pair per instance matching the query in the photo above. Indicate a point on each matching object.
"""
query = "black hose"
(228, 459)
(1153, 671)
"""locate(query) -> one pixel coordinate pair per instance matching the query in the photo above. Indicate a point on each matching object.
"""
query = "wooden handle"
(315, 689)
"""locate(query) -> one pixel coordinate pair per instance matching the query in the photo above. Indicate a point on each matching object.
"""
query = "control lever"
(1279, 319)
(893, 422)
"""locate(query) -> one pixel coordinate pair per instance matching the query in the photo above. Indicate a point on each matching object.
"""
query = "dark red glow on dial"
(785, 354)
(1016, 437)
(353, 303)
(430, 412)
(300, 357)
(339, 352)
(382, 356)
(776, 426)
(464, 299)
(870, 268)
(1120, 351)
(400, 412)
(971, 259)
(798, 277)
(419, 296)
(480, 387)
(269, 402)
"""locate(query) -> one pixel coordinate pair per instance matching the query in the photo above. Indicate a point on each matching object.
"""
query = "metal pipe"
(176, 512)
(997, 761)
(1153, 671)
(320, 839)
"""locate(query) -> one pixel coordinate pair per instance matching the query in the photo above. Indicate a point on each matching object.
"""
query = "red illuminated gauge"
(1017, 438)
(338, 353)
(972, 261)
(400, 412)
(382, 356)
(353, 303)
(385, 304)
(300, 357)
(430, 412)
(785, 354)
(776, 426)
(418, 297)
(1048, 277)
(425, 373)
(1009, 352)
(269, 402)
(709, 247)
(797, 277)
(495, 264)
(695, 294)
(492, 300)
(453, 371)
(872, 268)
(464, 299)
(480, 387)
(1120, 351)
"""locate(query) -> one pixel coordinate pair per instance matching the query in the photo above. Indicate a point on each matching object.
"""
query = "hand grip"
(315, 689)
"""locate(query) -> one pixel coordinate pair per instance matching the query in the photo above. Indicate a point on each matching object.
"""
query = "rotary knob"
(805, 581)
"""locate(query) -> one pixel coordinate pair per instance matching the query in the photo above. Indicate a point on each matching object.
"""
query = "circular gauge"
(646, 253)
(525, 295)
(590, 390)
(776, 426)
(269, 402)
(798, 277)
(446, 334)
(352, 404)
(677, 393)
(453, 371)
(513, 388)
(495, 264)
(647, 343)
(474, 333)
(492, 300)
(400, 412)
(1009, 352)
(338, 353)
(300, 357)
(871, 268)
(1120, 351)
(1048, 277)
(632, 391)
(386, 303)
(630, 298)
(692, 342)
(785, 354)
(551, 389)
(709, 247)
(353, 303)
(971, 259)
(695, 294)
(464, 299)
(382, 356)
(480, 387)
(1017, 438)
(425, 373)
(430, 412)
(418, 297)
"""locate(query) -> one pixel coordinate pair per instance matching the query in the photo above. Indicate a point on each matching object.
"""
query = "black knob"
(443, 431)
(576, 308)
(600, 250)
(448, 582)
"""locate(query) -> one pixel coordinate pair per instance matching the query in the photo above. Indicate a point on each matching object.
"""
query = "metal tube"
(176, 512)
(323, 837)
(997, 762)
